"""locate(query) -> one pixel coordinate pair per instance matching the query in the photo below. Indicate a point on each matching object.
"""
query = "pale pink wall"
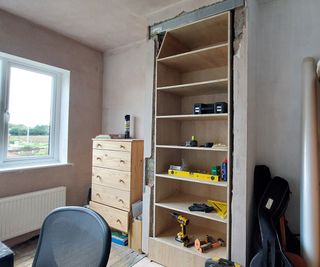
(124, 88)
(22, 38)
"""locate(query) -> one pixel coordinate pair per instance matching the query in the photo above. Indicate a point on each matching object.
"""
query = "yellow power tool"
(183, 221)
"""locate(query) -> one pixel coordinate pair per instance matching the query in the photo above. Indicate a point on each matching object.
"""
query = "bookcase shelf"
(192, 66)
(205, 58)
(181, 202)
(191, 180)
(197, 88)
(195, 117)
(194, 148)
(195, 36)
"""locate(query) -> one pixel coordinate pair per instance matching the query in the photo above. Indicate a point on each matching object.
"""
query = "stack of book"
(119, 238)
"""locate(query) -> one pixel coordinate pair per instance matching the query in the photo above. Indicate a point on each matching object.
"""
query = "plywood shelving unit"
(193, 66)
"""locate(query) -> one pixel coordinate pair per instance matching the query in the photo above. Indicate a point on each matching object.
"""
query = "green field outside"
(19, 146)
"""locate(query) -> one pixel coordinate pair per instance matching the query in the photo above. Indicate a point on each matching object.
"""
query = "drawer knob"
(118, 221)
(121, 181)
(120, 200)
(98, 195)
(122, 161)
(99, 145)
(122, 146)
(99, 177)
(98, 158)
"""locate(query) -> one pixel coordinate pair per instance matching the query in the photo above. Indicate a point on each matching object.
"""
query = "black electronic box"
(218, 107)
(201, 108)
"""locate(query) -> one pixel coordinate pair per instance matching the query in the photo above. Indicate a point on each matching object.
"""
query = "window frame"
(60, 88)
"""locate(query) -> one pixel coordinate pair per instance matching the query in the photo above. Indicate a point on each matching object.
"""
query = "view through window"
(34, 109)
(30, 112)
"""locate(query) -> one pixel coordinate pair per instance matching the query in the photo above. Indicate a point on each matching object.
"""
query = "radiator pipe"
(309, 194)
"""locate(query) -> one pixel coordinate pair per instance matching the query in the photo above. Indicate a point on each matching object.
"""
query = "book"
(119, 238)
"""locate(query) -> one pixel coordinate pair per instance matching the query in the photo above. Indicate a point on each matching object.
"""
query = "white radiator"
(25, 213)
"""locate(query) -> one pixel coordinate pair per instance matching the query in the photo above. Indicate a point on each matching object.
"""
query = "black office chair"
(73, 237)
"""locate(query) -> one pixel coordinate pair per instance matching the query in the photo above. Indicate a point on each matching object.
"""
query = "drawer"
(117, 219)
(111, 196)
(112, 178)
(111, 159)
(112, 145)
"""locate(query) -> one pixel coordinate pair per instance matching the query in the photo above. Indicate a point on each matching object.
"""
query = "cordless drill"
(183, 221)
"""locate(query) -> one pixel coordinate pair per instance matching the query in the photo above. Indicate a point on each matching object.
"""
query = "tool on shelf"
(192, 143)
(209, 144)
(200, 108)
(218, 107)
(210, 243)
(216, 170)
(183, 221)
(224, 170)
(195, 175)
(220, 262)
(220, 207)
(201, 207)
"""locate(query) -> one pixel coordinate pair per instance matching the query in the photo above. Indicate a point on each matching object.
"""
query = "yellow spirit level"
(194, 175)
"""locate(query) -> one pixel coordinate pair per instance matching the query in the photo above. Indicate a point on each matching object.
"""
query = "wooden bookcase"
(193, 66)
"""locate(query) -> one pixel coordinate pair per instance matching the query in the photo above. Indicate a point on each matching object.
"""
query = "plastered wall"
(22, 38)
(125, 88)
(288, 32)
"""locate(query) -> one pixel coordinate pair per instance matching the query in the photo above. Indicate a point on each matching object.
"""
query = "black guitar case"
(272, 205)
(262, 178)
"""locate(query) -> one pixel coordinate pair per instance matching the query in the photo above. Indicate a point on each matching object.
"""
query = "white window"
(34, 113)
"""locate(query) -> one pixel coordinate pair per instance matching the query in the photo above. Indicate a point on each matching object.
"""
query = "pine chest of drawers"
(117, 170)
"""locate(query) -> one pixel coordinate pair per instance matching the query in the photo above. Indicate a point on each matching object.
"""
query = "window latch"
(7, 115)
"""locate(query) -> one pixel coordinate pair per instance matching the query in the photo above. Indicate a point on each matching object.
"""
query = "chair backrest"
(73, 237)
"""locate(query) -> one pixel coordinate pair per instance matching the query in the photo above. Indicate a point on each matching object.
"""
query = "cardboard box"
(135, 235)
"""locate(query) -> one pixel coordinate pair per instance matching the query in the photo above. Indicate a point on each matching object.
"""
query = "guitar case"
(272, 206)
(262, 178)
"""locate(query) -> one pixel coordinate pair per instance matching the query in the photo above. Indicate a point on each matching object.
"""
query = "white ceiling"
(103, 24)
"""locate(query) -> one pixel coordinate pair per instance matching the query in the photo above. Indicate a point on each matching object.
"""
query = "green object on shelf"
(216, 170)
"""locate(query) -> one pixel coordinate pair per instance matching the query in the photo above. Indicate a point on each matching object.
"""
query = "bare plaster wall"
(124, 88)
(288, 32)
(22, 38)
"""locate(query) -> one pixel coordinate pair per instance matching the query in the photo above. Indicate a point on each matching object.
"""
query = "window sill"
(33, 167)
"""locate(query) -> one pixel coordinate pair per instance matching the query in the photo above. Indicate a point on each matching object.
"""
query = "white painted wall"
(288, 32)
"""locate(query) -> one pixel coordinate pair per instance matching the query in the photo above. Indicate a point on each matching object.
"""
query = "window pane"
(30, 103)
